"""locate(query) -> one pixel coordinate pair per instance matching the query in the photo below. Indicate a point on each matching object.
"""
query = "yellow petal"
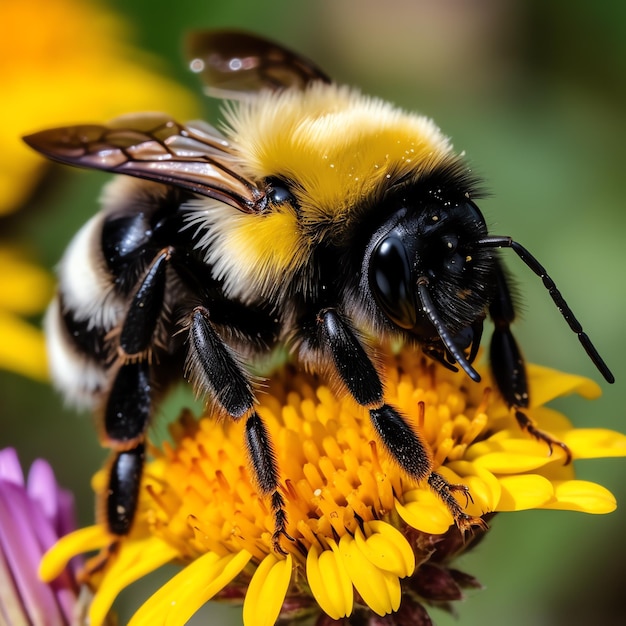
(177, 600)
(267, 590)
(329, 581)
(158, 604)
(134, 560)
(510, 456)
(594, 443)
(25, 288)
(22, 348)
(80, 541)
(424, 511)
(582, 495)
(386, 548)
(485, 490)
(380, 590)
(549, 420)
(547, 384)
(528, 491)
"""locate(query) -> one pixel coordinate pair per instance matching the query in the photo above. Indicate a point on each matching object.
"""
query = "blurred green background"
(535, 93)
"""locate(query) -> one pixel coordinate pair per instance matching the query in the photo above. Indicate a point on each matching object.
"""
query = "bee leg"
(145, 307)
(129, 405)
(508, 367)
(359, 375)
(127, 413)
(261, 453)
(444, 490)
(123, 491)
(213, 367)
(406, 446)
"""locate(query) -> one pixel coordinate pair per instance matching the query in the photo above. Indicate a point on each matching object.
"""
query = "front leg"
(358, 374)
(216, 371)
(508, 366)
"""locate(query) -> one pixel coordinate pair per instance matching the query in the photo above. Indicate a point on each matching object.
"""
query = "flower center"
(334, 474)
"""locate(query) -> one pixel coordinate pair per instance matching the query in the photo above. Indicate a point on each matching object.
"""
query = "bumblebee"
(317, 218)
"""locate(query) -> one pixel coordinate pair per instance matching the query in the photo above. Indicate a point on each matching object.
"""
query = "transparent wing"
(153, 146)
(235, 64)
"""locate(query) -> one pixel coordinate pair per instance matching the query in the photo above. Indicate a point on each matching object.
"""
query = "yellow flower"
(25, 289)
(366, 540)
(61, 62)
(65, 62)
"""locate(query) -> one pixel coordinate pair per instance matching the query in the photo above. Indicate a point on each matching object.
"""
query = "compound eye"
(279, 192)
(390, 281)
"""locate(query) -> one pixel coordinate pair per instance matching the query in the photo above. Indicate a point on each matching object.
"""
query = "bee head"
(426, 273)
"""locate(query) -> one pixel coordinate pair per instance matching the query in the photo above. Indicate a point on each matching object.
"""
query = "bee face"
(320, 219)
(433, 241)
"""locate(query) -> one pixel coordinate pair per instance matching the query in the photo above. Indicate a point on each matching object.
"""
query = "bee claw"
(527, 424)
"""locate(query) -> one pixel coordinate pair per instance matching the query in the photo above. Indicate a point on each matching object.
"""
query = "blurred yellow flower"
(366, 540)
(64, 62)
(61, 62)
(25, 289)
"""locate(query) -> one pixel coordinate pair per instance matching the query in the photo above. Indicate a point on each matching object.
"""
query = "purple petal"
(10, 468)
(57, 504)
(20, 520)
(31, 521)
(11, 609)
(41, 486)
(66, 521)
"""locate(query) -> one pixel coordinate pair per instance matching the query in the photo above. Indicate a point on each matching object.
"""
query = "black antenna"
(548, 283)
(433, 316)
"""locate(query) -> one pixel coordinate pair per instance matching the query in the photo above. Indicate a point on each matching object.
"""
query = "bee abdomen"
(76, 372)
(81, 317)
(85, 337)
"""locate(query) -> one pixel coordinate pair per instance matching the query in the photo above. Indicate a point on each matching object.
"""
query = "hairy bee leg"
(129, 406)
(407, 447)
(351, 361)
(128, 409)
(145, 307)
(508, 367)
(126, 416)
(359, 375)
(214, 367)
(404, 445)
(123, 491)
(445, 490)
(261, 453)
(528, 425)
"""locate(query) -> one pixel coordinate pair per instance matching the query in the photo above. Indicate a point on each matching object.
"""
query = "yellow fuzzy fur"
(336, 147)
(339, 145)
